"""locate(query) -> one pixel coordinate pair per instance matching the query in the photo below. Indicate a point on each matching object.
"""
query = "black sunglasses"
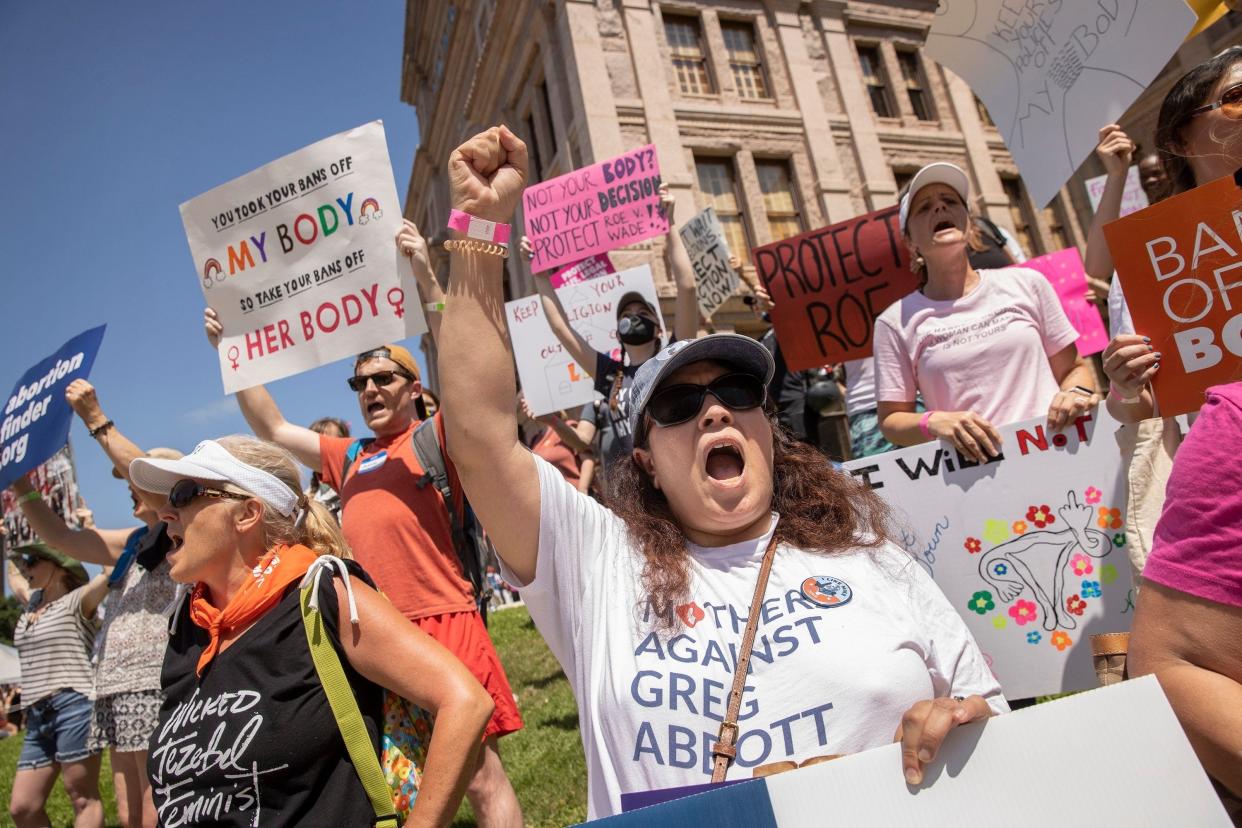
(676, 404)
(1230, 104)
(183, 492)
(358, 383)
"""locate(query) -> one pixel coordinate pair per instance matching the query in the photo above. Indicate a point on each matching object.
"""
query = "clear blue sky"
(114, 114)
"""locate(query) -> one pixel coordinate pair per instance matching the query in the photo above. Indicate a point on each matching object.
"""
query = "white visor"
(941, 172)
(212, 462)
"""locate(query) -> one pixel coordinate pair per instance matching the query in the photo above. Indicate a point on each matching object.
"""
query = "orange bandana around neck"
(281, 566)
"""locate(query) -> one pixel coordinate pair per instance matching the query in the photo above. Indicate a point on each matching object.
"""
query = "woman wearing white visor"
(983, 347)
(245, 727)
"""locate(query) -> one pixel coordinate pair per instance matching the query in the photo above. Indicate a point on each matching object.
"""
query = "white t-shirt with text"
(846, 644)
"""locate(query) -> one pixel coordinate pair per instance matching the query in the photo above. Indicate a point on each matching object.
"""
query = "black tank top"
(253, 742)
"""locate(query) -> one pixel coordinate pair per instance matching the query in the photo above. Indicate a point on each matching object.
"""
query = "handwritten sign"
(57, 481)
(1051, 72)
(1064, 269)
(595, 209)
(298, 259)
(829, 285)
(1180, 265)
(1133, 198)
(1089, 736)
(36, 418)
(705, 243)
(551, 380)
(1029, 547)
(584, 271)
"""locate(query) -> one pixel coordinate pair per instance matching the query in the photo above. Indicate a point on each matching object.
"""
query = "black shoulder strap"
(351, 454)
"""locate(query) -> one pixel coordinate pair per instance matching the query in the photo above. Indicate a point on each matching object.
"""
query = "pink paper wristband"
(923, 421)
(477, 228)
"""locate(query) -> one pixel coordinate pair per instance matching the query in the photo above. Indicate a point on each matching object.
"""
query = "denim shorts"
(56, 730)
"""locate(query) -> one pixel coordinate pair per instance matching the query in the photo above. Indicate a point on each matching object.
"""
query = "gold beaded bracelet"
(476, 246)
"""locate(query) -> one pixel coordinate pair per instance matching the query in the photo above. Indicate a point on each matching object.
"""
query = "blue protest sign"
(36, 417)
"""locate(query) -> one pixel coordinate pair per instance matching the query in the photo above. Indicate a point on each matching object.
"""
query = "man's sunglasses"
(183, 492)
(1230, 104)
(358, 383)
(676, 404)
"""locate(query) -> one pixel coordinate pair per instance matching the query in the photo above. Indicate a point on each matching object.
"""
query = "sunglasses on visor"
(1230, 104)
(676, 404)
(358, 383)
(183, 492)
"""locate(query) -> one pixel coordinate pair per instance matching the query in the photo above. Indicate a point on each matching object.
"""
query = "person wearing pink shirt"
(982, 347)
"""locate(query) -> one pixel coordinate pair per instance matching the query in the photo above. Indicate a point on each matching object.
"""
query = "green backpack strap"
(348, 717)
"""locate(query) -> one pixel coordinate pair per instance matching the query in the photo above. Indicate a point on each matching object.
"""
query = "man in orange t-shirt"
(399, 532)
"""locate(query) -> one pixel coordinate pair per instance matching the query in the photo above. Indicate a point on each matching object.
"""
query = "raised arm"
(486, 177)
(18, 584)
(574, 343)
(1115, 151)
(262, 413)
(120, 449)
(413, 245)
(96, 546)
(686, 308)
(95, 591)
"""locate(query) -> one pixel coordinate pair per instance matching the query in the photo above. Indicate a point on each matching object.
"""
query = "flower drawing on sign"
(999, 622)
(1041, 516)
(973, 545)
(1081, 565)
(1034, 637)
(1023, 612)
(1108, 573)
(981, 602)
(1110, 518)
(1030, 564)
(1092, 495)
(1119, 539)
(1075, 605)
(1090, 589)
(1061, 640)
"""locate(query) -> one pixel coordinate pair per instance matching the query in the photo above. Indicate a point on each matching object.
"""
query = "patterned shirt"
(135, 632)
(54, 646)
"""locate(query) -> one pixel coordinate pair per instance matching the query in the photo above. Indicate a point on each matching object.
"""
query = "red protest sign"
(829, 285)
(1180, 265)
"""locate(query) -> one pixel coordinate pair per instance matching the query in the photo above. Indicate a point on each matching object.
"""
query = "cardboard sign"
(1050, 73)
(705, 243)
(584, 271)
(36, 417)
(57, 481)
(1058, 761)
(594, 209)
(1068, 276)
(299, 259)
(1029, 548)
(1180, 265)
(551, 380)
(829, 285)
(1133, 198)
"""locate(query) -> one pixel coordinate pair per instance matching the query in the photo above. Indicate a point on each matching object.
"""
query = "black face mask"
(633, 329)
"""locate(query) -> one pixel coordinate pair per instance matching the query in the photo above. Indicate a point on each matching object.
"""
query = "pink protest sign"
(1065, 270)
(594, 209)
(584, 271)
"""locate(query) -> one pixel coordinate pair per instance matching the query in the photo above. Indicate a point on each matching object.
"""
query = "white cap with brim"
(941, 172)
(211, 462)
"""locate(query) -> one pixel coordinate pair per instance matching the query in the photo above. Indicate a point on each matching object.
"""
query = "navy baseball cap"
(741, 352)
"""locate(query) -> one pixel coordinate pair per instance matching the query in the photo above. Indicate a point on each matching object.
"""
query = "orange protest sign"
(1180, 265)
(829, 285)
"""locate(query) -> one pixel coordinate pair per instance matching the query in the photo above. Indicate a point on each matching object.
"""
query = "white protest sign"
(1029, 548)
(1052, 73)
(709, 255)
(1133, 198)
(551, 380)
(299, 260)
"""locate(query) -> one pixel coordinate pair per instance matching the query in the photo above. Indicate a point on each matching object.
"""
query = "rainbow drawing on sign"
(1043, 568)
(212, 272)
(369, 208)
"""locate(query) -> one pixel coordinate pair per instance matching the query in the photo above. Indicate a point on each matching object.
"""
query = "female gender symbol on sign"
(398, 303)
(234, 353)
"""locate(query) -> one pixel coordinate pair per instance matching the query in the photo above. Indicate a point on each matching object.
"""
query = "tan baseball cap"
(396, 353)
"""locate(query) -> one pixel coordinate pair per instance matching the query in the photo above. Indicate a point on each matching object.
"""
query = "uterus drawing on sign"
(1035, 562)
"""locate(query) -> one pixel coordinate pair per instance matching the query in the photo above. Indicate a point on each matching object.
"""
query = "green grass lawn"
(544, 760)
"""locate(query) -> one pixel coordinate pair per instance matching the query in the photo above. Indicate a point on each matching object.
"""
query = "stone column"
(587, 81)
(990, 200)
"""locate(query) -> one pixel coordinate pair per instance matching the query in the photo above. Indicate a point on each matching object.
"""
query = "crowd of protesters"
(662, 513)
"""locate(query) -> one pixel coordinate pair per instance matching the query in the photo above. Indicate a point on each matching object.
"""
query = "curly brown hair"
(821, 510)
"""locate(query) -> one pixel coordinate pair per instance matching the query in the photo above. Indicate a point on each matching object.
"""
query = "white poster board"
(299, 259)
(709, 254)
(1133, 198)
(551, 380)
(1051, 74)
(1029, 548)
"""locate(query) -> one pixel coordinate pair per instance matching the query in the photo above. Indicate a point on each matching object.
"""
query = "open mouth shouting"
(725, 462)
